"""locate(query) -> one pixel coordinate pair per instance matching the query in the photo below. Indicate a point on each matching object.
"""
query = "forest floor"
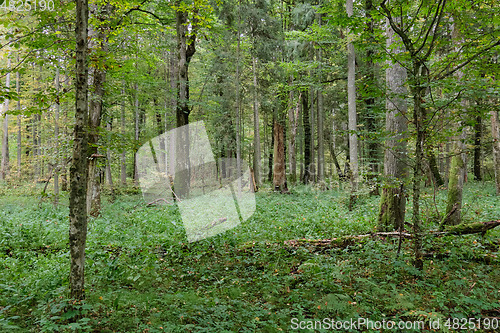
(143, 276)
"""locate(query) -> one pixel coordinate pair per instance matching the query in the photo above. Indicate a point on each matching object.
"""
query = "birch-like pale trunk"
(351, 101)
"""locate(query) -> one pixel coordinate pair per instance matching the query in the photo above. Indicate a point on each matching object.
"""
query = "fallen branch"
(345, 241)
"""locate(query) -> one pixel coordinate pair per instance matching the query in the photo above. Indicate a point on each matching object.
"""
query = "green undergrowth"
(143, 276)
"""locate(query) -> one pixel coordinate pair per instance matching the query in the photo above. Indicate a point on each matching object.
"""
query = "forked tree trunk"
(78, 170)
(393, 200)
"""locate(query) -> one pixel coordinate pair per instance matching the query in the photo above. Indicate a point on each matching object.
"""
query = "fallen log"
(345, 241)
(472, 228)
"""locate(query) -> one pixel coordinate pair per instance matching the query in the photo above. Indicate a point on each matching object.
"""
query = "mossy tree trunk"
(457, 173)
(393, 200)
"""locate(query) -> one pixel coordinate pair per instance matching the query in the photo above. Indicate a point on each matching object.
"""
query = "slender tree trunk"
(109, 177)
(123, 160)
(279, 175)
(293, 117)
(393, 200)
(186, 47)
(56, 136)
(4, 169)
(495, 133)
(79, 167)
(256, 126)
(351, 97)
(333, 148)
(271, 148)
(419, 154)
(95, 113)
(65, 159)
(306, 125)
(136, 130)
(321, 136)
(478, 129)
(369, 100)
(238, 110)
(19, 123)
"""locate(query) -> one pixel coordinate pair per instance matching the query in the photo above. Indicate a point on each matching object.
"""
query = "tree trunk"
(293, 117)
(96, 110)
(351, 98)
(186, 47)
(136, 131)
(369, 100)
(456, 177)
(109, 177)
(256, 126)
(321, 138)
(4, 169)
(19, 122)
(478, 129)
(495, 133)
(393, 200)
(419, 154)
(123, 160)
(79, 171)
(271, 148)
(306, 125)
(56, 136)
(279, 175)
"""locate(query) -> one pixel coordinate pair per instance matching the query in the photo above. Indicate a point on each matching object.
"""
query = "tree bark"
(351, 101)
(109, 177)
(293, 118)
(123, 160)
(456, 177)
(306, 125)
(495, 133)
(279, 175)
(56, 136)
(186, 47)
(256, 126)
(96, 110)
(19, 123)
(478, 130)
(4, 168)
(79, 166)
(393, 200)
